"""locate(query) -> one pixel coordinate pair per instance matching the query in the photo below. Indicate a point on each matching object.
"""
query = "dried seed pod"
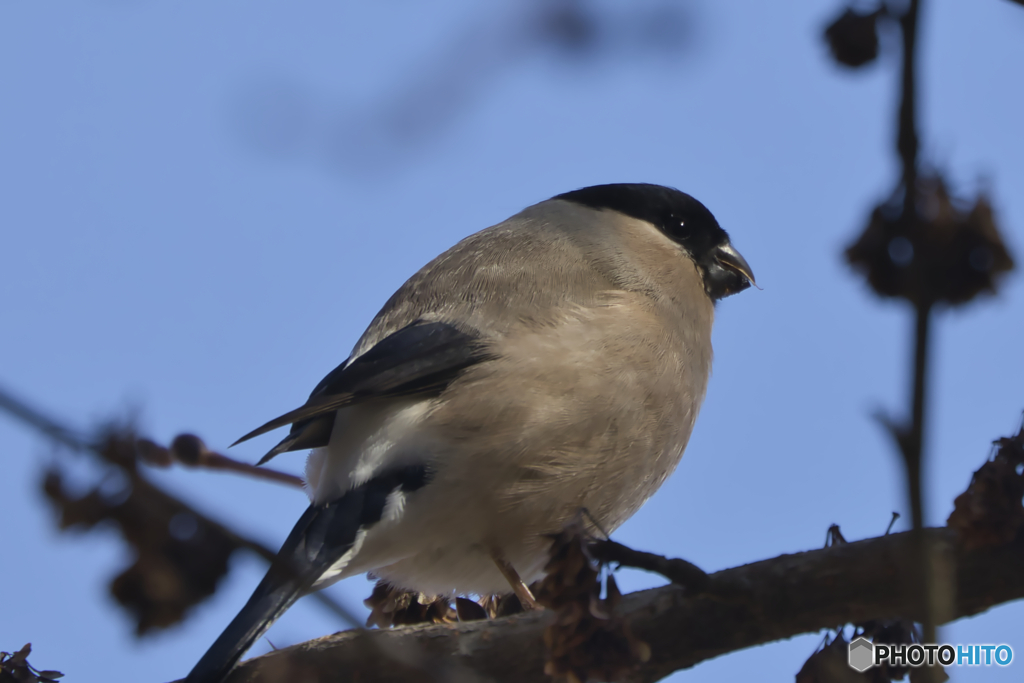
(179, 557)
(829, 665)
(853, 38)
(469, 610)
(942, 252)
(14, 668)
(991, 511)
(586, 640)
(188, 449)
(390, 606)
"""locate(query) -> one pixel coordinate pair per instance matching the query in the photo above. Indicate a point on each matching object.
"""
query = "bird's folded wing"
(422, 357)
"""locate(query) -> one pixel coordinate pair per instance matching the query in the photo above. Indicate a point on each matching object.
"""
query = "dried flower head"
(178, 556)
(586, 640)
(14, 668)
(390, 606)
(990, 511)
(853, 38)
(943, 252)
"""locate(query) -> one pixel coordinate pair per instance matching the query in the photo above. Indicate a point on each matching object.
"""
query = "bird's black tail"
(320, 540)
(268, 602)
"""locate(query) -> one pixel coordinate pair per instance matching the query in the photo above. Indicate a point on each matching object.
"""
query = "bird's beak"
(731, 259)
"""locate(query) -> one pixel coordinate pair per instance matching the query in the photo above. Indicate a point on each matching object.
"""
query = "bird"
(550, 364)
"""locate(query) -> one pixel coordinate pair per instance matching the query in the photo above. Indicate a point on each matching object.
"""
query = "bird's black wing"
(423, 357)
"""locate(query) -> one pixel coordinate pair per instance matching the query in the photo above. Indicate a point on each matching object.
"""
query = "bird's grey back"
(518, 271)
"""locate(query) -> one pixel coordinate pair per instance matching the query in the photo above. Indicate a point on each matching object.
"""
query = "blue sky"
(203, 204)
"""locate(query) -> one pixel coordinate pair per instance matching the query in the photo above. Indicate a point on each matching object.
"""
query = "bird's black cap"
(682, 219)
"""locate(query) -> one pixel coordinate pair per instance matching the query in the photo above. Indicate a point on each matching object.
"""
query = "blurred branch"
(49, 428)
(912, 442)
(283, 117)
(743, 607)
(181, 553)
(922, 246)
(907, 138)
(191, 451)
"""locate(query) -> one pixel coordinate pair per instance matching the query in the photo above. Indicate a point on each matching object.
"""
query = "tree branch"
(160, 505)
(745, 606)
(679, 572)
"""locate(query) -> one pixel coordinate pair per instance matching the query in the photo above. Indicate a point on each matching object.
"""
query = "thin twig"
(914, 456)
(46, 426)
(688, 575)
(907, 138)
(892, 522)
(191, 451)
(218, 461)
(912, 443)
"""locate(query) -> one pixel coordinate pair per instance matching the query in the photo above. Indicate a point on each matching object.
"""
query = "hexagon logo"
(862, 654)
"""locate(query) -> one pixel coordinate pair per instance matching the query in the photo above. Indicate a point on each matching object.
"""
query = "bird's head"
(682, 219)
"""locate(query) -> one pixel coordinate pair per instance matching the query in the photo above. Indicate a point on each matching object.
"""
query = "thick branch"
(745, 606)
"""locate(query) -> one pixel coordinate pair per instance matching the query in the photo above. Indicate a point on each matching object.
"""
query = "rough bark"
(744, 606)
